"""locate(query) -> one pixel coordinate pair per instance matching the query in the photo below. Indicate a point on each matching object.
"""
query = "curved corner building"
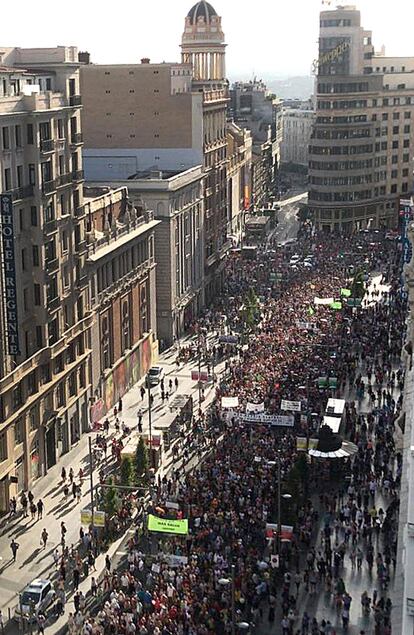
(361, 149)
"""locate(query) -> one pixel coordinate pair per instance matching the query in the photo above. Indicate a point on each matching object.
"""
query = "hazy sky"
(263, 36)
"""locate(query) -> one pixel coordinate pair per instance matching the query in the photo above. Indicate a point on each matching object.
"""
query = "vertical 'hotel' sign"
(9, 270)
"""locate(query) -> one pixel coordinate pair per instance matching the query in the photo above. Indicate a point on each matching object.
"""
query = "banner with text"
(271, 420)
(294, 406)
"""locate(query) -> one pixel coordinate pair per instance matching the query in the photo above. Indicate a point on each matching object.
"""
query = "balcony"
(64, 179)
(21, 192)
(50, 226)
(80, 211)
(75, 100)
(77, 175)
(47, 145)
(49, 186)
(82, 280)
(76, 138)
(53, 304)
(80, 246)
(52, 265)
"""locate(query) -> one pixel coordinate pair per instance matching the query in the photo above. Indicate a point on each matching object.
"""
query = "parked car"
(294, 260)
(36, 596)
(155, 374)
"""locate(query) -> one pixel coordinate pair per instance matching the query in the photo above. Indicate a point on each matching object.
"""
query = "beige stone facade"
(44, 388)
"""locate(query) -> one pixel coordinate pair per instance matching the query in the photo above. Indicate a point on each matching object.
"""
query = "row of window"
(352, 197)
(363, 103)
(343, 87)
(354, 133)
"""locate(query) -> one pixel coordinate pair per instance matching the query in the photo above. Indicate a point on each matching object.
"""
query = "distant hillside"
(292, 87)
(300, 87)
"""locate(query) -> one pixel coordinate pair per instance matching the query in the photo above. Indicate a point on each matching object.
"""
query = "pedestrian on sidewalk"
(33, 510)
(43, 538)
(41, 619)
(56, 557)
(24, 503)
(30, 497)
(40, 508)
(78, 493)
(12, 506)
(63, 531)
(63, 475)
(176, 383)
(74, 490)
(120, 405)
(71, 475)
(142, 391)
(14, 547)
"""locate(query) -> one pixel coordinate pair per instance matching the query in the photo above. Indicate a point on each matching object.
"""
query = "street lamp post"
(91, 479)
(149, 417)
(226, 582)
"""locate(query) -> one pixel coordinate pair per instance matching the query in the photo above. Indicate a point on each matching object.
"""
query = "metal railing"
(77, 175)
(50, 226)
(47, 145)
(48, 186)
(76, 137)
(75, 100)
(21, 192)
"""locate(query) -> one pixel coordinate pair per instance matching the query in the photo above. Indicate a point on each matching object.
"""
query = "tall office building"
(361, 153)
(44, 331)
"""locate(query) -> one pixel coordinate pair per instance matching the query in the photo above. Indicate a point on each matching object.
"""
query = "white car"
(294, 260)
(155, 375)
(37, 596)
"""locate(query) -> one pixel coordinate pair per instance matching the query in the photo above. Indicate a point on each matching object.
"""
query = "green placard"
(345, 292)
(322, 382)
(168, 526)
(272, 277)
(333, 382)
(336, 305)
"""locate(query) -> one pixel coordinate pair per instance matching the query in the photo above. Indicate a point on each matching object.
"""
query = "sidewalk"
(34, 561)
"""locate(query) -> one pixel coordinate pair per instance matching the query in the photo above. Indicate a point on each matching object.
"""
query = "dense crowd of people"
(223, 572)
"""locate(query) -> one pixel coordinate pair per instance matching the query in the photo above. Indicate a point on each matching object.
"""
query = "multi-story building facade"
(255, 108)
(297, 124)
(167, 117)
(239, 179)
(45, 328)
(362, 147)
(203, 46)
(140, 117)
(177, 201)
(120, 267)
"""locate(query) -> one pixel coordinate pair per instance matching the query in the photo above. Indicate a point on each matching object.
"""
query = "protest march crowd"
(223, 576)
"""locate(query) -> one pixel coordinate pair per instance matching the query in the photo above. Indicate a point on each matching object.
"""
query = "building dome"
(201, 9)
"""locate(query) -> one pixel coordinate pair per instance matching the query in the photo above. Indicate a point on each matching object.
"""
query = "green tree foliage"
(111, 502)
(141, 461)
(126, 471)
(357, 288)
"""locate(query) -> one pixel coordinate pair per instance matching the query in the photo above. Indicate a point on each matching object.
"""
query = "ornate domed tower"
(203, 44)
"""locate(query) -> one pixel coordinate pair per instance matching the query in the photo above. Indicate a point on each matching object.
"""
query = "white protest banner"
(306, 326)
(172, 505)
(229, 402)
(294, 406)
(323, 300)
(255, 407)
(272, 420)
(175, 561)
(155, 568)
